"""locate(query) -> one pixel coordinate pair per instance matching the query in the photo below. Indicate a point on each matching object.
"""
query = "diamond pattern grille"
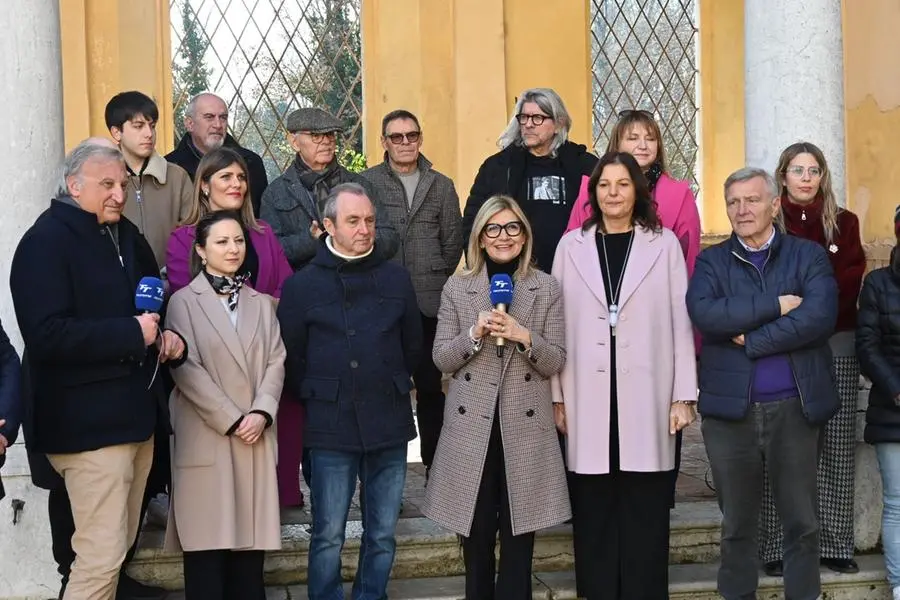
(644, 56)
(266, 58)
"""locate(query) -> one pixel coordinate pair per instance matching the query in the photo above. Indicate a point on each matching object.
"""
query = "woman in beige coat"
(498, 463)
(224, 501)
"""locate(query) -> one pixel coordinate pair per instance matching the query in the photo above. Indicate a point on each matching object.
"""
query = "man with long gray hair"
(538, 166)
(94, 400)
(766, 304)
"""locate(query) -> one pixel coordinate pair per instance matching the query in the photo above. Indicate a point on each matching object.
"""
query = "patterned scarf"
(319, 183)
(227, 285)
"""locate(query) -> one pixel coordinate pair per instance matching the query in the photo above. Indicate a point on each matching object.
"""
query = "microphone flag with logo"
(501, 298)
(149, 296)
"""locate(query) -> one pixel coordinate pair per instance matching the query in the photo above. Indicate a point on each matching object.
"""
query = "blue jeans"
(333, 473)
(889, 465)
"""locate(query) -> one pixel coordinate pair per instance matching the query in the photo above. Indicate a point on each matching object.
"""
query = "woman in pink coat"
(628, 386)
(221, 184)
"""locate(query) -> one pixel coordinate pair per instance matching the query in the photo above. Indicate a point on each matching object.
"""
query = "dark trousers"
(492, 512)
(429, 395)
(62, 524)
(620, 530)
(778, 435)
(224, 575)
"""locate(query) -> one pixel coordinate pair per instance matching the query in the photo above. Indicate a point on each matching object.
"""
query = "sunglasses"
(397, 138)
(634, 111)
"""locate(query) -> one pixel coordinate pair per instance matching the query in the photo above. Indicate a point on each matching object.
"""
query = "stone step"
(426, 550)
(686, 582)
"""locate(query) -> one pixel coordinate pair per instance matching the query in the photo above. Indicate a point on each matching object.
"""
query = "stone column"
(31, 131)
(794, 91)
(794, 81)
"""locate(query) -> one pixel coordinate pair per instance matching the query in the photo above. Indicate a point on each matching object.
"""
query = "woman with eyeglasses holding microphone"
(810, 210)
(498, 465)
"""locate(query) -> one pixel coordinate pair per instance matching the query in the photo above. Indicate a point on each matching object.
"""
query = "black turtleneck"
(493, 268)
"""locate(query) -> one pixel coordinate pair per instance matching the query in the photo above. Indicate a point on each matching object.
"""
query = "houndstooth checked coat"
(536, 477)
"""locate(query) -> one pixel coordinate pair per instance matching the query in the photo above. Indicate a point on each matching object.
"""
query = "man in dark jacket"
(353, 334)
(10, 398)
(206, 121)
(538, 167)
(293, 204)
(766, 304)
(424, 209)
(91, 359)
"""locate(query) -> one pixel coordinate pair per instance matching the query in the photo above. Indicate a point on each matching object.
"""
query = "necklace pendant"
(803, 216)
(613, 316)
(138, 196)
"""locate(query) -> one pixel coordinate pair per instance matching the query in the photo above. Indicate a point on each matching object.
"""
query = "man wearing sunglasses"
(424, 209)
(292, 204)
(539, 167)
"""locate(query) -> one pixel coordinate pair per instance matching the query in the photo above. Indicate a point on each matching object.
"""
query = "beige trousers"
(105, 487)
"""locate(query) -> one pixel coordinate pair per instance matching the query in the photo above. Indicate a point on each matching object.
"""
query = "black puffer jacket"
(878, 349)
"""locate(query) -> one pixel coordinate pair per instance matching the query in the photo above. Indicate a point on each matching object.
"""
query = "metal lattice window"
(266, 58)
(644, 56)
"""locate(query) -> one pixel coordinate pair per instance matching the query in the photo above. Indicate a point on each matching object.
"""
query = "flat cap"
(313, 120)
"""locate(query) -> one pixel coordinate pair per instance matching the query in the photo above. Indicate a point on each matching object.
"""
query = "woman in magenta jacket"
(221, 184)
(637, 133)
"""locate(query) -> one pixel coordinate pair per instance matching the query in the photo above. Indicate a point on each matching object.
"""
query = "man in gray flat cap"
(292, 204)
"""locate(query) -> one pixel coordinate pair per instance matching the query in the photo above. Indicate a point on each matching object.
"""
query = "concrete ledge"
(686, 582)
(426, 550)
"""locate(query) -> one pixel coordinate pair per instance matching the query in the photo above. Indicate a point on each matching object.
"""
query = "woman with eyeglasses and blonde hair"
(810, 210)
(498, 464)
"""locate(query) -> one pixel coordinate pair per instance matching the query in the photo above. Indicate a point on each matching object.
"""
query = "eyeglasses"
(318, 137)
(397, 138)
(537, 119)
(512, 229)
(798, 171)
(634, 111)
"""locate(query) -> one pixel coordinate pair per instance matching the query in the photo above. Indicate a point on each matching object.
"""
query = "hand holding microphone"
(148, 300)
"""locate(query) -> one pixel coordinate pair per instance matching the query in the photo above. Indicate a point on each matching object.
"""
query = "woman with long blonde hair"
(810, 210)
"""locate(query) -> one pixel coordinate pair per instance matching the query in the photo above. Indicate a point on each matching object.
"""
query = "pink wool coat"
(654, 352)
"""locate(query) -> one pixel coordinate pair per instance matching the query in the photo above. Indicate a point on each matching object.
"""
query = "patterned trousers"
(837, 469)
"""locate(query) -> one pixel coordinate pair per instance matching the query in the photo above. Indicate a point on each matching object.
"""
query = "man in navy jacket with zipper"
(766, 304)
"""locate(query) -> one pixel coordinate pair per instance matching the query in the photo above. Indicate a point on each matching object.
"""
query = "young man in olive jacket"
(353, 344)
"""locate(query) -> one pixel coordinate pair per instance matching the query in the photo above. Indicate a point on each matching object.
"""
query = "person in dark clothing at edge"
(206, 121)
(293, 205)
(539, 167)
(81, 342)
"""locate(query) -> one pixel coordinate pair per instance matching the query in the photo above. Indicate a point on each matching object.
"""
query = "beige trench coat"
(536, 477)
(224, 493)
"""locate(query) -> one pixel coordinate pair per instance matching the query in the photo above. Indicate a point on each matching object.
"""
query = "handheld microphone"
(149, 295)
(501, 298)
(148, 298)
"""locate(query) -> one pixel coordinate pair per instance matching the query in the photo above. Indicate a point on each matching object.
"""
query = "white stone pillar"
(794, 76)
(31, 131)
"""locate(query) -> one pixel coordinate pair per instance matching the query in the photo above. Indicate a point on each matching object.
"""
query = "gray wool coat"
(430, 228)
(536, 477)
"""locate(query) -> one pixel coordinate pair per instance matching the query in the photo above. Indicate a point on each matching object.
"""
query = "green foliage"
(352, 160)
(192, 75)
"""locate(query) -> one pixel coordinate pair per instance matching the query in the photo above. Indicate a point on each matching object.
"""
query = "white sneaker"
(896, 592)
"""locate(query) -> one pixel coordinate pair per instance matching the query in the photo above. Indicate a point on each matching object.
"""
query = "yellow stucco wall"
(872, 101)
(459, 66)
(112, 46)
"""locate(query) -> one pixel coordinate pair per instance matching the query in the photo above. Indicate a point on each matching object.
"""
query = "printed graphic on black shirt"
(551, 188)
